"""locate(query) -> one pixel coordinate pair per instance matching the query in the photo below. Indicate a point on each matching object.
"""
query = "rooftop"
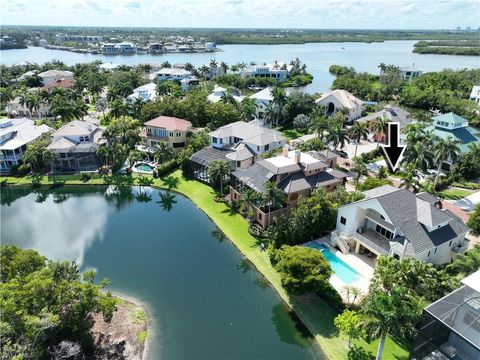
(75, 128)
(265, 94)
(50, 73)
(250, 133)
(345, 98)
(15, 133)
(207, 155)
(170, 123)
(450, 118)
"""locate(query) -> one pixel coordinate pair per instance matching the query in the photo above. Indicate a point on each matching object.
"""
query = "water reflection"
(167, 200)
(244, 266)
(289, 327)
(219, 235)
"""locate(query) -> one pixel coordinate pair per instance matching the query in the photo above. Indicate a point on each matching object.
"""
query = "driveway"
(468, 203)
(363, 147)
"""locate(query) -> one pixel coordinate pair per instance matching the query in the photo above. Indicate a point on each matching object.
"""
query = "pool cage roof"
(460, 311)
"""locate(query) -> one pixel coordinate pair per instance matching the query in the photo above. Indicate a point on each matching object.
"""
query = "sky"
(320, 14)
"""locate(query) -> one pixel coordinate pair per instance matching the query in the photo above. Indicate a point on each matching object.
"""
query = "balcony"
(373, 241)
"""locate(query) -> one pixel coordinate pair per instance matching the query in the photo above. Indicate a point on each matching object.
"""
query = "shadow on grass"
(359, 353)
(229, 211)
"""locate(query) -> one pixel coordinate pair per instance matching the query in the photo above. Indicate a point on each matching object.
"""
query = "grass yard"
(291, 134)
(313, 311)
(455, 194)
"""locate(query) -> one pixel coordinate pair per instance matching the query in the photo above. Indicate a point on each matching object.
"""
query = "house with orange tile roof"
(166, 129)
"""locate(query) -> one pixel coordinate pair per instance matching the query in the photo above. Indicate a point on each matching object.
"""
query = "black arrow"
(393, 151)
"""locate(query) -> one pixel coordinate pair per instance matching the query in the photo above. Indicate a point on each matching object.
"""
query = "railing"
(369, 243)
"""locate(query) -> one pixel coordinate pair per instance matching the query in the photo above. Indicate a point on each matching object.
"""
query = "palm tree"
(359, 169)
(136, 107)
(34, 102)
(445, 149)
(337, 135)
(358, 130)
(227, 98)
(318, 124)
(248, 108)
(270, 114)
(189, 67)
(166, 64)
(409, 177)
(474, 149)
(133, 157)
(248, 197)
(279, 97)
(379, 127)
(162, 152)
(273, 196)
(80, 109)
(213, 63)
(217, 171)
(224, 66)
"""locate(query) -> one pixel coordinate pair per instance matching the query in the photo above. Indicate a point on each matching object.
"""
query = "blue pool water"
(345, 272)
(144, 167)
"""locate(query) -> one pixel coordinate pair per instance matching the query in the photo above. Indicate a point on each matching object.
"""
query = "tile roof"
(249, 133)
(254, 176)
(298, 181)
(390, 113)
(170, 123)
(345, 98)
(76, 128)
(66, 84)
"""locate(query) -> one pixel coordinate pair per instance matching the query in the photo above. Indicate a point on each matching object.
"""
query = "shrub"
(85, 177)
(167, 167)
(371, 183)
(24, 169)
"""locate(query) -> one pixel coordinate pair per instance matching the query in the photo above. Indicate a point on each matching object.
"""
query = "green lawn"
(291, 134)
(455, 194)
(313, 311)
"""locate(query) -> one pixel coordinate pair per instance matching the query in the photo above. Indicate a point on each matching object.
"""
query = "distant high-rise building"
(459, 28)
(469, 28)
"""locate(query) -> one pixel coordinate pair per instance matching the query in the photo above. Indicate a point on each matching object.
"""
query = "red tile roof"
(170, 123)
(59, 83)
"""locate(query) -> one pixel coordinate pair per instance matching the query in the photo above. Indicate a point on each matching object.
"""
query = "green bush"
(85, 177)
(167, 167)
(372, 183)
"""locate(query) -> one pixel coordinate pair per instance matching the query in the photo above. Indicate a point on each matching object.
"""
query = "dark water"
(317, 56)
(206, 300)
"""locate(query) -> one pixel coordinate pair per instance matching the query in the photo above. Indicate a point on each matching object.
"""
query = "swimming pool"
(144, 167)
(345, 272)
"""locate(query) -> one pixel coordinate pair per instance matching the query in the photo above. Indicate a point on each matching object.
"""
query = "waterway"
(205, 299)
(317, 56)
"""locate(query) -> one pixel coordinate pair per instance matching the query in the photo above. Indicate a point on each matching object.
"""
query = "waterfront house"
(49, 76)
(455, 126)
(297, 174)
(475, 94)
(341, 99)
(278, 71)
(75, 145)
(451, 325)
(157, 48)
(262, 99)
(173, 74)
(396, 222)
(78, 38)
(219, 91)
(15, 136)
(125, 48)
(109, 49)
(166, 129)
(408, 73)
(146, 92)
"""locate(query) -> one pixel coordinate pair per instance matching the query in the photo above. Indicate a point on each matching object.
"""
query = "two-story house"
(15, 135)
(146, 92)
(278, 71)
(167, 129)
(49, 76)
(297, 174)
(75, 145)
(396, 222)
(341, 99)
(173, 74)
(262, 99)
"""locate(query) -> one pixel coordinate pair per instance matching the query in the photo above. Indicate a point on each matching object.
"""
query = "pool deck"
(360, 263)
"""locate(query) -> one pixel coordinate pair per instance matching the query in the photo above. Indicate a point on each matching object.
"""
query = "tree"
(348, 323)
(469, 262)
(379, 127)
(271, 114)
(359, 131)
(272, 197)
(409, 178)
(319, 124)
(250, 197)
(301, 269)
(337, 135)
(445, 149)
(474, 221)
(217, 171)
(382, 172)
(134, 157)
(162, 152)
(301, 122)
(468, 166)
(279, 97)
(359, 169)
(38, 156)
(248, 107)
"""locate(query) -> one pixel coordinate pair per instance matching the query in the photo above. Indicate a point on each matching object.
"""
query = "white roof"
(50, 73)
(265, 94)
(218, 92)
(75, 128)
(61, 144)
(473, 281)
(308, 161)
(147, 87)
(343, 97)
(173, 71)
(109, 66)
(250, 133)
(18, 132)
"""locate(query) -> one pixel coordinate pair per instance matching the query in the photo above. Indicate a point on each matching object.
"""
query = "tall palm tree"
(224, 66)
(358, 131)
(189, 66)
(272, 197)
(359, 169)
(409, 177)
(249, 197)
(213, 63)
(379, 127)
(227, 98)
(217, 171)
(474, 149)
(319, 124)
(445, 149)
(80, 108)
(34, 102)
(162, 152)
(270, 114)
(337, 135)
(248, 108)
(279, 97)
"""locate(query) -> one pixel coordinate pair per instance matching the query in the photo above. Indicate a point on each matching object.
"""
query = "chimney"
(285, 150)
(297, 156)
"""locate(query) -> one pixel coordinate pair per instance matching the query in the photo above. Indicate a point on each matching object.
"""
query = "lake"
(206, 301)
(317, 56)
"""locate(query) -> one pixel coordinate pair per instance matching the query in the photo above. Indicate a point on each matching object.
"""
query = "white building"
(341, 99)
(189, 82)
(475, 94)
(146, 92)
(409, 72)
(262, 99)
(257, 138)
(109, 49)
(172, 74)
(277, 70)
(15, 135)
(396, 222)
(49, 76)
(218, 92)
(125, 48)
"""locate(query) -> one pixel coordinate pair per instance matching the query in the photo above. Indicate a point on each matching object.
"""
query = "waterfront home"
(174, 74)
(125, 48)
(49, 76)
(455, 126)
(408, 73)
(475, 94)
(166, 129)
(341, 99)
(75, 145)
(109, 49)
(219, 92)
(157, 48)
(278, 71)
(258, 138)
(396, 222)
(262, 99)
(451, 325)
(15, 136)
(146, 92)
(297, 174)
(390, 113)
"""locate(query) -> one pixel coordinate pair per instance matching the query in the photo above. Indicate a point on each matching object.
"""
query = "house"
(451, 326)
(262, 99)
(109, 49)
(408, 73)
(146, 92)
(157, 48)
(390, 113)
(173, 74)
(17, 107)
(60, 83)
(258, 138)
(125, 48)
(297, 174)
(49, 76)
(455, 126)
(166, 129)
(475, 94)
(341, 99)
(188, 83)
(15, 135)
(218, 92)
(396, 222)
(75, 145)
(278, 71)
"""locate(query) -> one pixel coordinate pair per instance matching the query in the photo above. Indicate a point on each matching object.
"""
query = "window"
(258, 148)
(267, 147)
(171, 134)
(343, 221)
(178, 134)
(378, 228)
(214, 140)
(450, 243)
(238, 163)
(435, 251)
(428, 253)
(259, 216)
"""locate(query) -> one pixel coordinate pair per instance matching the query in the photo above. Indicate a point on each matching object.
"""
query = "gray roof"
(254, 176)
(298, 181)
(207, 155)
(322, 155)
(425, 196)
(283, 170)
(250, 133)
(241, 152)
(391, 113)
